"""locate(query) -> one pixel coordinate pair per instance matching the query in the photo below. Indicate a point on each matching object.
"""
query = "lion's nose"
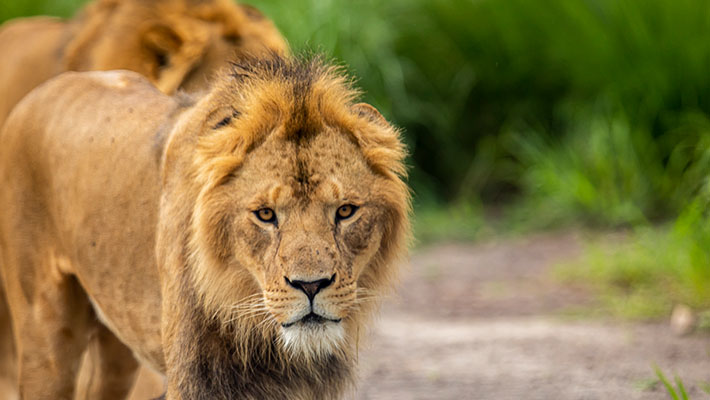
(311, 288)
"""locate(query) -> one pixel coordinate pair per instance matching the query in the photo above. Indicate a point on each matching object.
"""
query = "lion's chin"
(313, 340)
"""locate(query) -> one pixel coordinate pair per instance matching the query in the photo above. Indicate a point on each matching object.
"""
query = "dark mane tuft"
(299, 70)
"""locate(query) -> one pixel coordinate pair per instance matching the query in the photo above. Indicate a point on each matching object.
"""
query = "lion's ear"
(370, 112)
(176, 48)
(93, 19)
(162, 41)
(380, 142)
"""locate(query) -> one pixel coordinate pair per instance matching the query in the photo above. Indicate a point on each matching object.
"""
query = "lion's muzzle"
(310, 288)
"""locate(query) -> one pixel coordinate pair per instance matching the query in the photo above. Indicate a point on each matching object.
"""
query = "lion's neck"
(213, 366)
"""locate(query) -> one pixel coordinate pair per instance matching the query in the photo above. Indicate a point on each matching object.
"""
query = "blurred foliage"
(609, 172)
(500, 97)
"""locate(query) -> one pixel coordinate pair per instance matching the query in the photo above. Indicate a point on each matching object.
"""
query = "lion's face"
(306, 222)
(310, 221)
(301, 208)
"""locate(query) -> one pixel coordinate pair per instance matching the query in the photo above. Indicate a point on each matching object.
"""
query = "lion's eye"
(224, 122)
(345, 211)
(232, 39)
(266, 215)
(219, 118)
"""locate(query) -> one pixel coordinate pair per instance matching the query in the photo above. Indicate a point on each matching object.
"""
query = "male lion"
(236, 244)
(174, 43)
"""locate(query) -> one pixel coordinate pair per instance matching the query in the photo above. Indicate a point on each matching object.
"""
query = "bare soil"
(485, 321)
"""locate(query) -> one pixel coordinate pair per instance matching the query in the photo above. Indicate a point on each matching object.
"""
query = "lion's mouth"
(311, 319)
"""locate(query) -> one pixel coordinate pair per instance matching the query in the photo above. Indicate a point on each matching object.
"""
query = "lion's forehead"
(330, 190)
(329, 168)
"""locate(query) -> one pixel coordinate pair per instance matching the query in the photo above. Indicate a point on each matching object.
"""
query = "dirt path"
(482, 322)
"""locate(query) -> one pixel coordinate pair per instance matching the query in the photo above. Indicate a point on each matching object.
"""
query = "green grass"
(676, 392)
(593, 175)
(61, 8)
(462, 222)
(644, 275)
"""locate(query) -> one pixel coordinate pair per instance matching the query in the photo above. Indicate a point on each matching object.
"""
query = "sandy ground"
(484, 321)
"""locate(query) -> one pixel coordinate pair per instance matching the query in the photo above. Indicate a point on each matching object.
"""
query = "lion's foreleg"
(8, 363)
(51, 338)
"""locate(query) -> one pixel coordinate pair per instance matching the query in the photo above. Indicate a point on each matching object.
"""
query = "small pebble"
(683, 320)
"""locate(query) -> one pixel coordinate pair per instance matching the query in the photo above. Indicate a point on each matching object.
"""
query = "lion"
(174, 43)
(237, 243)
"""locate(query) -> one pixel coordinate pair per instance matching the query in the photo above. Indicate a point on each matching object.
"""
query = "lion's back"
(82, 110)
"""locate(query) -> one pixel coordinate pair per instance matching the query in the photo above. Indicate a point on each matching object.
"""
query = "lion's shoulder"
(122, 80)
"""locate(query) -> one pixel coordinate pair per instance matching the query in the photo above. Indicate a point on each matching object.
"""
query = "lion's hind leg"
(108, 370)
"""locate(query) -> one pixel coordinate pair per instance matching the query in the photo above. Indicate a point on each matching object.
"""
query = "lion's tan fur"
(165, 208)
